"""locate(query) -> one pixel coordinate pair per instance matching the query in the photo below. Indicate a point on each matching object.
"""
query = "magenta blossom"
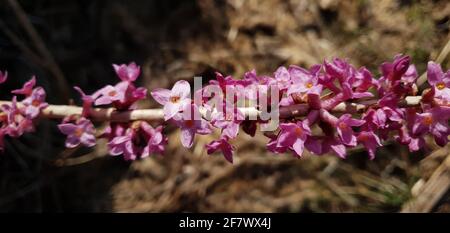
(190, 126)
(15, 122)
(3, 76)
(228, 121)
(223, 145)
(344, 129)
(294, 135)
(35, 103)
(173, 100)
(434, 121)
(128, 72)
(370, 141)
(88, 100)
(27, 88)
(282, 78)
(82, 132)
(110, 94)
(439, 80)
(335, 145)
(305, 81)
(137, 141)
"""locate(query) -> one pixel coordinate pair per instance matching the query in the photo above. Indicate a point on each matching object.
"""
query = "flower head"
(15, 123)
(370, 141)
(344, 129)
(190, 124)
(128, 73)
(173, 100)
(82, 132)
(35, 103)
(224, 146)
(439, 81)
(294, 135)
(435, 122)
(137, 140)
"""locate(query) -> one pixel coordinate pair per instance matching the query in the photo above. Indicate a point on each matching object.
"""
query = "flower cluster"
(295, 107)
(18, 117)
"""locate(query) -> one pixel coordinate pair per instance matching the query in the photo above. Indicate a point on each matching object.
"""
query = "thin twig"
(110, 114)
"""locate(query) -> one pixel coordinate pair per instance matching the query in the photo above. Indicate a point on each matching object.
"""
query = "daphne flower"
(439, 80)
(35, 103)
(434, 121)
(173, 100)
(88, 100)
(27, 88)
(344, 128)
(16, 123)
(334, 144)
(128, 72)
(223, 145)
(139, 140)
(228, 121)
(370, 141)
(304, 81)
(155, 139)
(110, 94)
(190, 125)
(3, 76)
(82, 132)
(282, 78)
(294, 135)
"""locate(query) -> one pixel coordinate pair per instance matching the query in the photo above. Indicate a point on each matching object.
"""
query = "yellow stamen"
(78, 132)
(112, 93)
(440, 86)
(175, 99)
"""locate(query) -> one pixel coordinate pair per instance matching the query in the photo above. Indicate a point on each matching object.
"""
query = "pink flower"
(228, 121)
(110, 94)
(435, 122)
(35, 102)
(16, 123)
(223, 145)
(294, 135)
(27, 87)
(344, 129)
(305, 81)
(3, 76)
(88, 100)
(137, 141)
(282, 78)
(370, 141)
(190, 125)
(333, 144)
(82, 132)
(128, 72)
(173, 100)
(439, 81)
(155, 140)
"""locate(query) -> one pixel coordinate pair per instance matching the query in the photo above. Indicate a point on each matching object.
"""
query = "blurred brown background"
(174, 40)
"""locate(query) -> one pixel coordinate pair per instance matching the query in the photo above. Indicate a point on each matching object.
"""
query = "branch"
(110, 114)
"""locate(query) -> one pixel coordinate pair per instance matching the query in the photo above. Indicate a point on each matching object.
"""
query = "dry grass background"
(181, 39)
